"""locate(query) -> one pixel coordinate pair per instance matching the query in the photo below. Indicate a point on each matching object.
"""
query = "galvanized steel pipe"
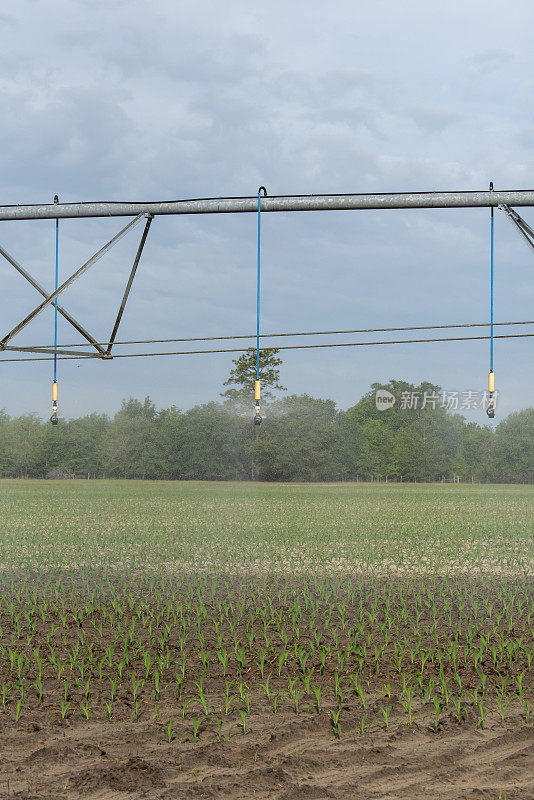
(237, 205)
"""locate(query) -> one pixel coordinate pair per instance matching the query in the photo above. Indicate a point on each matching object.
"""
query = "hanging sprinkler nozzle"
(490, 411)
(54, 418)
(257, 415)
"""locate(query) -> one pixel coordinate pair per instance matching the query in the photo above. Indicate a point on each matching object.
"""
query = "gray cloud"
(487, 61)
(436, 120)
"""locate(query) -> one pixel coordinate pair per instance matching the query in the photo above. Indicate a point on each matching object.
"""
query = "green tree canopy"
(299, 441)
(303, 438)
(514, 447)
(243, 375)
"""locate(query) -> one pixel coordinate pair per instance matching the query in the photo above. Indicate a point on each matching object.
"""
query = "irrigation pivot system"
(258, 204)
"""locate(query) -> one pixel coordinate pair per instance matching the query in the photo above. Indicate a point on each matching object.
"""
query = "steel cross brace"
(49, 298)
(518, 222)
(44, 293)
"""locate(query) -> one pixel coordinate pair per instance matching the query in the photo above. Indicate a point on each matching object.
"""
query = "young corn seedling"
(223, 658)
(437, 713)
(483, 678)
(243, 715)
(406, 681)
(170, 733)
(262, 655)
(137, 686)
(179, 685)
(482, 713)
(202, 697)
(336, 726)
(295, 695)
(265, 686)
(18, 710)
(386, 712)
(136, 711)
(157, 689)
(361, 695)
(306, 679)
(407, 705)
(316, 690)
(218, 729)
(113, 688)
(39, 689)
(282, 661)
(228, 700)
(241, 659)
(205, 661)
(5, 694)
(197, 721)
(419, 681)
(519, 684)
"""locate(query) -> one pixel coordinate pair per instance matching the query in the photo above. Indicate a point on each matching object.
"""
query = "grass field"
(290, 641)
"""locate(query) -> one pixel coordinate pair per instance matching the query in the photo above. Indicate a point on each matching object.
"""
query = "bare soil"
(297, 758)
(282, 755)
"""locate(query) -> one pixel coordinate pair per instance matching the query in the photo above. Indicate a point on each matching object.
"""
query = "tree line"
(302, 439)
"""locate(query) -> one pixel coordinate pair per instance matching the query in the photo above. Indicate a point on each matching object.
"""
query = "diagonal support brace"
(129, 284)
(51, 297)
(519, 223)
(65, 314)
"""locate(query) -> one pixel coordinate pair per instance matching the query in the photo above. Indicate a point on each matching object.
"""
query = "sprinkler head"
(257, 419)
(54, 419)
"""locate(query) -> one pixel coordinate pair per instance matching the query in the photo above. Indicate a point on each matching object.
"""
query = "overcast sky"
(169, 100)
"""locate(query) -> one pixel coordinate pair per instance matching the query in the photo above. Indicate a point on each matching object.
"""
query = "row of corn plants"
(211, 654)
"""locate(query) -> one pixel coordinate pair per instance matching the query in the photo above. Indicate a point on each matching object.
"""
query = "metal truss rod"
(51, 297)
(65, 314)
(519, 223)
(310, 202)
(299, 333)
(129, 284)
(53, 350)
(71, 357)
